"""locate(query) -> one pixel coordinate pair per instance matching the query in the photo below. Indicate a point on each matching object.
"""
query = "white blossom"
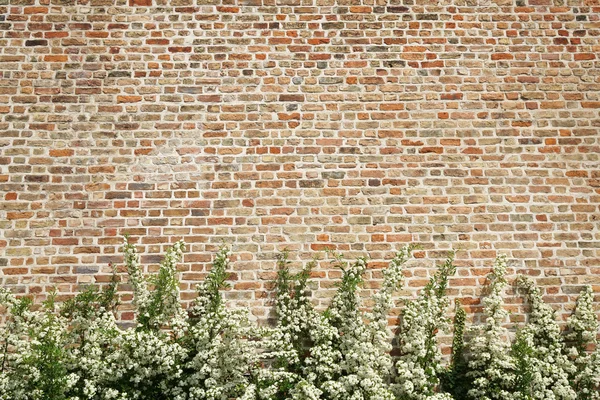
(419, 367)
(583, 326)
(547, 367)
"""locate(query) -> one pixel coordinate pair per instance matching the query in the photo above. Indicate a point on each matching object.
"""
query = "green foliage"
(36, 368)
(92, 301)
(454, 379)
(438, 285)
(522, 352)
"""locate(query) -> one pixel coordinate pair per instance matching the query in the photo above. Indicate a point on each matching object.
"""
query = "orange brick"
(129, 99)
(61, 152)
(35, 10)
(56, 58)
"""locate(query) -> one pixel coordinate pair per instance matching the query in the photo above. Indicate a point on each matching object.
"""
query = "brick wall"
(306, 124)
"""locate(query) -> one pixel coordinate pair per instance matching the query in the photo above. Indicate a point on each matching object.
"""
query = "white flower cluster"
(336, 354)
(583, 326)
(33, 354)
(491, 367)
(299, 347)
(160, 306)
(383, 299)
(365, 363)
(419, 367)
(219, 353)
(547, 366)
(81, 353)
(147, 353)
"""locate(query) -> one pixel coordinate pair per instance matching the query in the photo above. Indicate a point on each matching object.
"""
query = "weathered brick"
(36, 42)
(315, 183)
(333, 25)
(119, 74)
(291, 97)
(180, 49)
(397, 9)
(64, 260)
(117, 195)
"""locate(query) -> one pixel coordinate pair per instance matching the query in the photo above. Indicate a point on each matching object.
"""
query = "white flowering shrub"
(419, 367)
(147, 360)
(339, 354)
(78, 350)
(34, 352)
(219, 354)
(583, 327)
(92, 334)
(491, 367)
(541, 348)
(365, 362)
(299, 350)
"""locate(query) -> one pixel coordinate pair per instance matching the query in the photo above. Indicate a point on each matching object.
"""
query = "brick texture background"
(358, 125)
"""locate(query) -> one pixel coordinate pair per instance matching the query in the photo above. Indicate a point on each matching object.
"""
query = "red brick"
(584, 56)
(65, 241)
(286, 117)
(158, 42)
(432, 64)
(56, 35)
(291, 97)
(437, 150)
(502, 56)
(180, 49)
(451, 96)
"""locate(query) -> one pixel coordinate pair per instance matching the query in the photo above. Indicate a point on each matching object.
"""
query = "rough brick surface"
(356, 125)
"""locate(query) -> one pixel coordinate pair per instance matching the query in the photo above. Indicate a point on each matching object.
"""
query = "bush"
(78, 351)
(419, 367)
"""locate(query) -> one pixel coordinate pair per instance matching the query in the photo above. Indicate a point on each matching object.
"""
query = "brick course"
(358, 125)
